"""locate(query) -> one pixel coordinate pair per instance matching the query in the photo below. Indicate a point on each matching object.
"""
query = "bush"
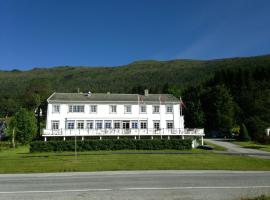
(96, 145)
(264, 139)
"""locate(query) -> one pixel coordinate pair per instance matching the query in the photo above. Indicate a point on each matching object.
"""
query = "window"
(99, 124)
(156, 125)
(169, 109)
(155, 109)
(108, 124)
(116, 124)
(93, 108)
(128, 109)
(112, 108)
(80, 124)
(70, 124)
(134, 124)
(55, 125)
(143, 109)
(89, 124)
(76, 108)
(169, 124)
(143, 125)
(56, 109)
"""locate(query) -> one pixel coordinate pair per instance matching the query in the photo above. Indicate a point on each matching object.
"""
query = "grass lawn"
(258, 198)
(20, 161)
(253, 145)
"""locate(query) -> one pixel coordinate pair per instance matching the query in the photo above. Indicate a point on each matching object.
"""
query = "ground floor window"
(70, 124)
(143, 124)
(99, 124)
(134, 124)
(80, 124)
(55, 125)
(156, 125)
(89, 124)
(169, 124)
(117, 124)
(108, 124)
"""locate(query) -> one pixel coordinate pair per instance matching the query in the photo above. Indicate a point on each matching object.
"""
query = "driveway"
(237, 149)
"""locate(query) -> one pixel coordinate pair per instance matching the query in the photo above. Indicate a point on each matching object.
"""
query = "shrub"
(121, 144)
(243, 135)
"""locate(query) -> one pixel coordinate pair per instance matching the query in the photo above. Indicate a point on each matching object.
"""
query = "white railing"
(122, 132)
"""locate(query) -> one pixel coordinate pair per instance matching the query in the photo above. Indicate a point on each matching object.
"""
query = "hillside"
(151, 74)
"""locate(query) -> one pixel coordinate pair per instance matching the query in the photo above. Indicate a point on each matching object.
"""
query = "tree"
(11, 129)
(26, 126)
(243, 135)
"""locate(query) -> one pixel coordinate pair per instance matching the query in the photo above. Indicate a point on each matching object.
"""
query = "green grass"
(253, 145)
(216, 147)
(20, 161)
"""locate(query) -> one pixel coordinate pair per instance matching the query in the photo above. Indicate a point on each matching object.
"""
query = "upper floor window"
(155, 109)
(143, 109)
(169, 109)
(113, 108)
(93, 108)
(55, 125)
(76, 108)
(128, 109)
(56, 109)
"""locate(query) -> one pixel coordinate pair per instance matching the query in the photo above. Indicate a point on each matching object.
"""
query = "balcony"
(122, 132)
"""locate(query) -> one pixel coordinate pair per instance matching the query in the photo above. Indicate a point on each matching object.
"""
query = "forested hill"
(28, 88)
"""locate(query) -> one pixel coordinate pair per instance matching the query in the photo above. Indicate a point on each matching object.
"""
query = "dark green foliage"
(121, 144)
(243, 135)
(26, 126)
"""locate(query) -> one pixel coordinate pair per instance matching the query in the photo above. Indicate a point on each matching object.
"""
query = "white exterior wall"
(103, 113)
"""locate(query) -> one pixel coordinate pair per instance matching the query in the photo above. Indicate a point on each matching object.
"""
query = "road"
(236, 149)
(156, 185)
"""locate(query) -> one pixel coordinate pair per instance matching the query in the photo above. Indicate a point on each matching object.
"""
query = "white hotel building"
(117, 115)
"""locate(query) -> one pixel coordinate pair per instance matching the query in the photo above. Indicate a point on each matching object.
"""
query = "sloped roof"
(104, 97)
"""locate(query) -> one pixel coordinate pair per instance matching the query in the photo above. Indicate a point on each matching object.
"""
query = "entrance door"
(126, 126)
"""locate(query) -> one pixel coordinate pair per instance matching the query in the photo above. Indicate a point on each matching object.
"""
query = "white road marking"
(133, 189)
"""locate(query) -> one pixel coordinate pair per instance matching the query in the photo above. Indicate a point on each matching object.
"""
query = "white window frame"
(68, 123)
(143, 106)
(90, 124)
(143, 124)
(126, 109)
(108, 122)
(55, 124)
(169, 106)
(76, 108)
(93, 106)
(134, 124)
(169, 122)
(154, 109)
(116, 122)
(97, 123)
(80, 124)
(55, 110)
(156, 124)
(112, 110)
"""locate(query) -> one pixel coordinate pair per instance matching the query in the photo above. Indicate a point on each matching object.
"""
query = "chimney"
(146, 92)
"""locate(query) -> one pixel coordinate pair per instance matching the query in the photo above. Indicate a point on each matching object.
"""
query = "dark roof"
(103, 97)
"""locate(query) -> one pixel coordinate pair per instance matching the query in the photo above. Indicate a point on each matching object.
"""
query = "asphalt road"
(156, 185)
(236, 149)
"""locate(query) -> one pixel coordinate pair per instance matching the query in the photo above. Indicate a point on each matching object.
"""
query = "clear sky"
(45, 33)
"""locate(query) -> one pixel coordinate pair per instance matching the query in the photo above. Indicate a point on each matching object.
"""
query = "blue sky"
(46, 33)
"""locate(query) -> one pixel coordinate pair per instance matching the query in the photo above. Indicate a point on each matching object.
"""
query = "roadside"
(237, 149)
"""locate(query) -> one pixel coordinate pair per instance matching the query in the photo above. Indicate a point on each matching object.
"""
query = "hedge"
(112, 144)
